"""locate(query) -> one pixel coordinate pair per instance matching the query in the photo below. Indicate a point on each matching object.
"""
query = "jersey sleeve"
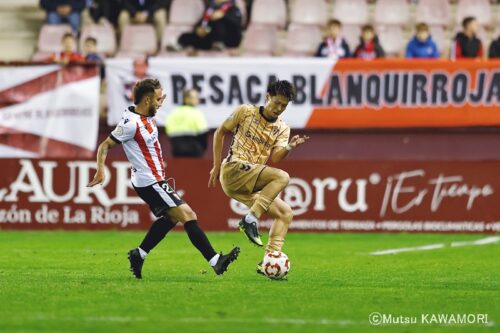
(283, 137)
(123, 132)
(235, 118)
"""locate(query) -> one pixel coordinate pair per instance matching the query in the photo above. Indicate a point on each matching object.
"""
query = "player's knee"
(284, 177)
(187, 215)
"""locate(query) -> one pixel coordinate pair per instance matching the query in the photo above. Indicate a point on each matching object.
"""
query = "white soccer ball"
(276, 265)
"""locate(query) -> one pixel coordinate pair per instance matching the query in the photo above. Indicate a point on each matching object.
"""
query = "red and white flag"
(49, 111)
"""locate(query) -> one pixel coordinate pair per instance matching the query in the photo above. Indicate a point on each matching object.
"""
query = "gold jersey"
(254, 137)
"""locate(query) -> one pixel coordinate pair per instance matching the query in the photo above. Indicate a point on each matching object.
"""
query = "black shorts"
(160, 197)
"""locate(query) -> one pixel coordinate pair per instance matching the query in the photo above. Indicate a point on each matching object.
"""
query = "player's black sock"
(156, 233)
(199, 239)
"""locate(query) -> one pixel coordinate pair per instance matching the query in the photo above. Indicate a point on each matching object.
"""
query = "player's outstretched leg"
(198, 238)
(218, 261)
(270, 183)
(156, 233)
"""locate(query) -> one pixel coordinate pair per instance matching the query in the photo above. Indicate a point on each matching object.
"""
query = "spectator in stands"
(144, 11)
(334, 45)
(494, 51)
(187, 127)
(64, 11)
(466, 44)
(102, 12)
(91, 55)
(220, 27)
(68, 54)
(90, 50)
(369, 47)
(422, 45)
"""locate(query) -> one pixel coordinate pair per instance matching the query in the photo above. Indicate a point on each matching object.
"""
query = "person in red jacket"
(466, 44)
(369, 46)
(68, 53)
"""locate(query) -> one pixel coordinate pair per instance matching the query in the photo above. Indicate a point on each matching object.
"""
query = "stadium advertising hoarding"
(330, 196)
(49, 110)
(343, 94)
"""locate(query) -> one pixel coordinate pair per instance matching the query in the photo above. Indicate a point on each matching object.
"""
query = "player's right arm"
(102, 152)
(227, 126)
(124, 131)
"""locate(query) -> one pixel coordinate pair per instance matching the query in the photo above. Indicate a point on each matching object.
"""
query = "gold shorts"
(238, 180)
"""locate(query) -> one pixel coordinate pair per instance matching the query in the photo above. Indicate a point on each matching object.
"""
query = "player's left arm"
(280, 151)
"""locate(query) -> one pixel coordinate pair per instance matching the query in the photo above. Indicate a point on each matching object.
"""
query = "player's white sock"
(214, 260)
(142, 253)
(250, 218)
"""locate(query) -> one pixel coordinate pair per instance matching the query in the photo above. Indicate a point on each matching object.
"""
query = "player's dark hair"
(91, 40)
(145, 87)
(67, 35)
(282, 87)
(468, 20)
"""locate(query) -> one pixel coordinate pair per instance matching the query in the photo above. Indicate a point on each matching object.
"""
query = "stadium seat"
(351, 11)
(351, 33)
(171, 34)
(480, 9)
(302, 40)
(311, 12)
(392, 12)
(392, 39)
(49, 39)
(433, 12)
(186, 12)
(269, 12)
(260, 40)
(105, 36)
(137, 40)
(439, 36)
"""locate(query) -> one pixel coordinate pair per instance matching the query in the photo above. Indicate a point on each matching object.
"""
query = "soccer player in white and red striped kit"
(138, 134)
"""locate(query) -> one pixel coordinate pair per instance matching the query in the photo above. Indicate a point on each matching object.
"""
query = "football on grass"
(276, 265)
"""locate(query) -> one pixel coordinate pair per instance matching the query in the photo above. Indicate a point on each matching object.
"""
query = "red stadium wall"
(325, 196)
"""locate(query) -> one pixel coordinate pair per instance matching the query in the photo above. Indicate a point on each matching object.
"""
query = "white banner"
(48, 111)
(224, 83)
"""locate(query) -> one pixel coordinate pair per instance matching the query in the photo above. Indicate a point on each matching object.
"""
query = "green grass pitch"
(79, 282)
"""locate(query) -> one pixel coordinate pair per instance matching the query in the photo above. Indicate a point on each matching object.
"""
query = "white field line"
(483, 241)
(290, 321)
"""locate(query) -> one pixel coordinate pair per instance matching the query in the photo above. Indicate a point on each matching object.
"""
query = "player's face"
(275, 105)
(155, 101)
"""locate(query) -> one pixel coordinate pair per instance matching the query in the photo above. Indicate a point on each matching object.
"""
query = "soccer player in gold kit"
(258, 134)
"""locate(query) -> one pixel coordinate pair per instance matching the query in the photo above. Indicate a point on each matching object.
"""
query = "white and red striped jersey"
(139, 136)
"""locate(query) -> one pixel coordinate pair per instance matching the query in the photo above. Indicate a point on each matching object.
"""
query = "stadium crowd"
(361, 29)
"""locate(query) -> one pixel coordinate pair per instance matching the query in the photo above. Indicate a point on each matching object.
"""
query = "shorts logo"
(245, 167)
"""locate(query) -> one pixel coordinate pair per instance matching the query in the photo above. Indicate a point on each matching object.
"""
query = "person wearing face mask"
(259, 133)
